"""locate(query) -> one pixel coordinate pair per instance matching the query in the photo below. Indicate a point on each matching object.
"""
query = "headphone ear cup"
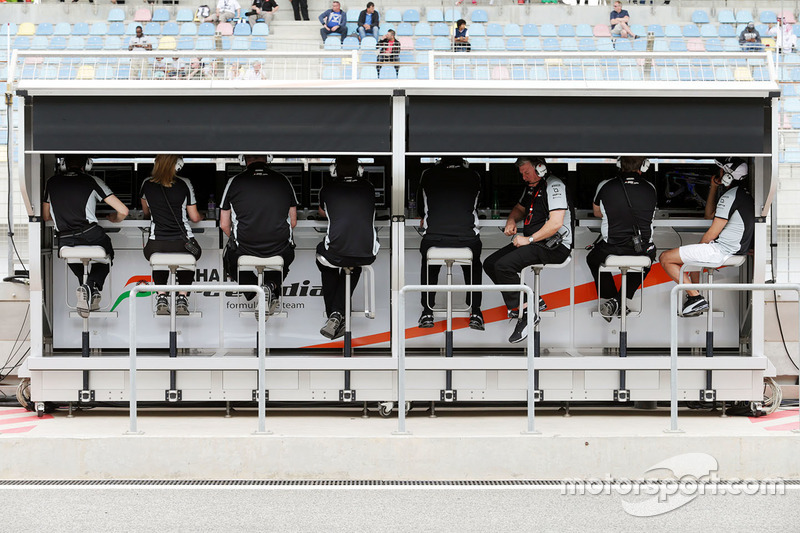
(541, 169)
(61, 163)
(242, 162)
(619, 162)
(360, 171)
(269, 158)
(333, 170)
(87, 167)
(179, 164)
(645, 166)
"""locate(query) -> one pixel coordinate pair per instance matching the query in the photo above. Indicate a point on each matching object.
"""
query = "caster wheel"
(40, 409)
(385, 409)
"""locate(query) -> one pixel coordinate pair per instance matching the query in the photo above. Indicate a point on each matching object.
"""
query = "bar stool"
(624, 264)
(85, 255)
(537, 273)
(449, 257)
(172, 262)
(260, 264)
(709, 394)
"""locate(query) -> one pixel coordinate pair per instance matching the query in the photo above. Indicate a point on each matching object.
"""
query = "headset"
(335, 173)
(179, 164)
(644, 168)
(733, 168)
(243, 163)
(61, 164)
(540, 167)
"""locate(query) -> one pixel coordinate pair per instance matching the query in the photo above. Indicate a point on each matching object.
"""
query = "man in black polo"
(448, 200)
(627, 205)
(348, 202)
(258, 212)
(70, 198)
(546, 235)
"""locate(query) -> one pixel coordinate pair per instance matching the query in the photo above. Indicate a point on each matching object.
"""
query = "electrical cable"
(9, 160)
(778, 316)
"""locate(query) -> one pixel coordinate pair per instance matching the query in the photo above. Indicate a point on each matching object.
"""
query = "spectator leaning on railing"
(461, 37)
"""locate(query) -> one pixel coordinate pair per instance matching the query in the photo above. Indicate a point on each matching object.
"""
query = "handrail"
(260, 350)
(673, 344)
(401, 356)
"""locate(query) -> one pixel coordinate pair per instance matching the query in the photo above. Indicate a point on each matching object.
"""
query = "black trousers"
(161, 277)
(599, 254)
(230, 259)
(504, 266)
(98, 272)
(334, 279)
(430, 274)
(298, 6)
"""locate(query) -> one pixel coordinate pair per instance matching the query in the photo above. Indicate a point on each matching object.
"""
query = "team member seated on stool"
(448, 199)
(169, 201)
(731, 233)
(627, 205)
(546, 235)
(348, 201)
(70, 198)
(257, 213)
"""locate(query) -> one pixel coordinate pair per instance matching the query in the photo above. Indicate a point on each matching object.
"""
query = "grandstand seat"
(58, 42)
(630, 74)
(723, 74)
(204, 43)
(565, 30)
(410, 15)
(762, 74)
(677, 45)
(349, 43)
(479, 15)
(98, 28)
(116, 28)
(405, 56)
(94, 42)
(624, 45)
(742, 74)
(26, 29)
(369, 43)
(494, 30)
(112, 42)
(743, 16)
(21, 42)
(763, 29)
(404, 29)
(452, 15)
(258, 43)
(242, 30)
(708, 31)
(496, 44)
(116, 15)
(477, 30)
(331, 73)
(500, 73)
(423, 43)
(691, 30)
(142, 15)
(672, 31)
(656, 29)
(727, 31)
(406, 43)
(700, 16)
(76, 42)
(517, 72)
(787, 90)
(423, 72)
(788, 15)
(604, 44)
(569, 44)
(170, 28)
(440, 29)
(368, 72)
(188, 28)
(422, 56)
(393, 15)
(514, 44)
(463, 73)
(184, 42)
(479, 44)
(533, 44)
(388, 73)
(152, 28)
(583, 30)
(587, 45)
(240, 43)
(441, 44)
(224, 28)
(105, 72)
(537, 73)
(548, 30)
(638, 29)
(206, 29)
(593, 74)
(352, 18)
(551, 44)
(695, 45)
(184, 15)
(8, 28)
(167, 43)
(768, 17)
(601, 30)
(39, 42)
(160, 15)
(44, 28)
(726, 16)
(512, 30)
(731, 45)
(529, 30)
(434, 15)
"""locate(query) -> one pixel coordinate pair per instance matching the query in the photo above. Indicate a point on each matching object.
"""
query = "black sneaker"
(694, 306)
(271, 298)
(476, 320)
(95, 300)
(520, 330)
(162, 305)
(425, 320)
(513, 314)
(609, 309)
(542, 304)
(331, 327)
(83, 294)
(339, 331)
(182, 305)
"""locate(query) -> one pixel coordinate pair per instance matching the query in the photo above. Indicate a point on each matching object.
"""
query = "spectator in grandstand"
(627, 205)
(368, 22)
(264, 9)
(213, 69)
(226, 10)
(169, 201)
(333, 20)
(461, 37)
(195, 71)
(254, 72)
(731, 232)
(299, 6)
(388, 50)
(619, 22)
(140, 42)
(160, 68)
(750, 39)
(257, 213)
(546, 236)
(448, 199)
(785, 39)
(177, 68)
(348, 202)
(73, 194)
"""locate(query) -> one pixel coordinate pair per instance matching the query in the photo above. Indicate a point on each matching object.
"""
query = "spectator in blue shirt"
(368, 22)
(333, 20)
(619, 22)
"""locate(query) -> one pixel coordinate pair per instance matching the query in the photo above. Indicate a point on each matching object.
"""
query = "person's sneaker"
(476, 320)
(513, 314)
(694, 306)
(426, 320)
(83, 294)
(271, 298)
(331, 327)
(609, 309)
(96, 297)
(520, 330)
(542, 304)
(339, 331)
(162, 305)
(181, 305)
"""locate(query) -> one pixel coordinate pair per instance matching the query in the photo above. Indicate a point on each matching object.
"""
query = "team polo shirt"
(448, 198)
(73, 197)
(350, 208)
(738, 208)
(616, 227)
(259, 200)
(168, 209)
(548, 195)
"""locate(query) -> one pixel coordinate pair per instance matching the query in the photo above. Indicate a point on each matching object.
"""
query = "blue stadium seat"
(113, 42)
(405, 56)
(723, 74)
(94, 42)
(44, 28)
(434, 15)
(584, 30)
(463, 73)
(80, 28)
(240, 43)
(787, 89)
(700, 16)
(40, 42)
(242, 30)
(184, 15)
(368, 72)
(405, 30)
(116, 15)
(496, 44)
(422, 56)
(105, 72)
(452, 15)
(185, 42)
(566, 30)
(743, 16)
(331, 73)
(731, 45)
(604, 44)
(188, 28)
(512, 30)
(533, 44)
(440, 29)
(677, 45)
(762, 74)
(21, 42)
(656, 29)
(206, 29)
(349, 43)
(204, 43)
(62, 28)
(160, 15)
(388, 73)
(98, 28)
(768, 17)
(726, 16)
(258, 43)
(708, 31)
(631, 74)
(638, 29)
(593, 74)
(569, 44)
(479, 15)
(8, 28)
(726, 31)
(494, 30)
(334, 42)
(170, 28)
(713, 45)
(442, 44)
(153, 28)
(76, 42)
(530, 30)
(551, 44)
(691, 30)
(477, 30)
(410, 15)
(116, 28)
(548, 30)
(624, 45)
(478, 44)
(393, 15)
(58, 42)
(514, 44)
(369, 43)
(587, 45)
(423, 43)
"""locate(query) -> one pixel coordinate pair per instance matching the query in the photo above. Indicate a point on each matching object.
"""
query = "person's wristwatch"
(530, 239)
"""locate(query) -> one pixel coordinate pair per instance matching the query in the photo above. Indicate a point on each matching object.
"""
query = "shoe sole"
(477, 327)
(696, 312)
(327, 333)
(162, 311)
(517, 341)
